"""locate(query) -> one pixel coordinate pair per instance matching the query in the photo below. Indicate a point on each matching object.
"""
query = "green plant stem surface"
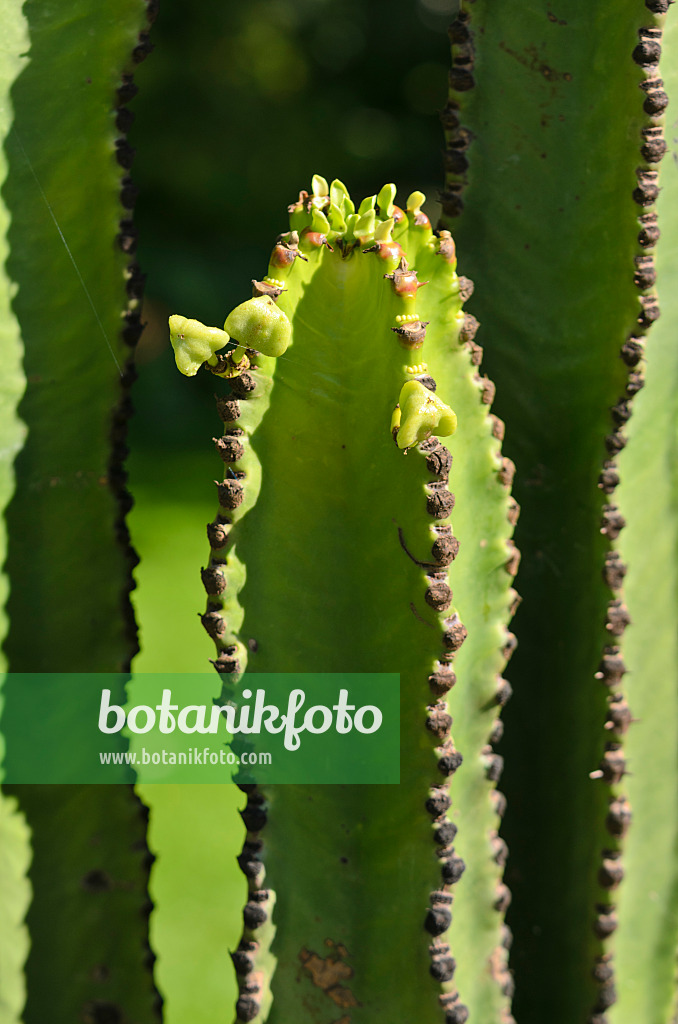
(548, 233)
(647, 939)
(67, 572)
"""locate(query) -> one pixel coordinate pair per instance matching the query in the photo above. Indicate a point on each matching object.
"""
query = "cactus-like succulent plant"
(347, 385)
(555, 133)
(338, 494)
(70, 319)
(567, 308)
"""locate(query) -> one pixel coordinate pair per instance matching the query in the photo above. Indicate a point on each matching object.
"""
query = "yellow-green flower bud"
(422, 413)
(193, 343)
(261, 325)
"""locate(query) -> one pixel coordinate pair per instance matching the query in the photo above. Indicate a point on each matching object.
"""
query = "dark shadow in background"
(238, 106)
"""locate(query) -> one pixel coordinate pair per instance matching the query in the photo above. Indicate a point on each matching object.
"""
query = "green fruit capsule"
(422, 413)
(261, 325)
(194, 344)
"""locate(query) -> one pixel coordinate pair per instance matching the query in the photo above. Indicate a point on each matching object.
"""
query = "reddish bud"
(387, 251)
(282, 256)
(313, 238)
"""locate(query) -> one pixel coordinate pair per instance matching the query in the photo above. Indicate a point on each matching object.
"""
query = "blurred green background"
(238, 105)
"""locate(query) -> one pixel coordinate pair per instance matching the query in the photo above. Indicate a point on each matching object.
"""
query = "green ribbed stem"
(329, 553)
(646, 942)
(551, 161)
(69, 564)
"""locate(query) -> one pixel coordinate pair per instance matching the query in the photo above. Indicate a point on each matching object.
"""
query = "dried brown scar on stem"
(330, 973)
(411, 335)
(263, 288)
(448, 552)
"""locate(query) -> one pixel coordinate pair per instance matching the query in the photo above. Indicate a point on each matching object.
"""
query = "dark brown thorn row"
(231, 448)
(255, 913)
(231, 494)
(101, 1010)
(494, 762)
(612, 767)
(438, 595)
(439, 722)
(610, 876)
(117, 482)
(457, 137)
(256, 910)
(131, 329)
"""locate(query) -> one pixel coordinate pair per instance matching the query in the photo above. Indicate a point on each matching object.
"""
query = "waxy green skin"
(550, 194)
(318, 579)
(647, 905)
(68, 564)
(549, 233)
